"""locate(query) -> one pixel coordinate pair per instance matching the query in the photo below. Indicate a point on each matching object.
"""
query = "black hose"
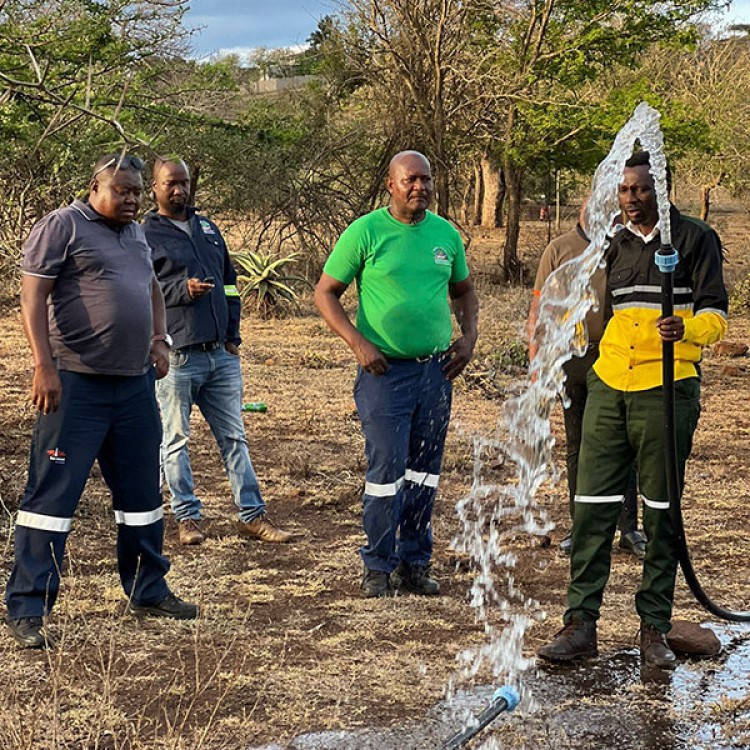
(666, 264)
(504, 699)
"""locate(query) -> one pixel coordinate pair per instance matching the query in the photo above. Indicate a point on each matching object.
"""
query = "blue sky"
(242, 25)
(237, 25)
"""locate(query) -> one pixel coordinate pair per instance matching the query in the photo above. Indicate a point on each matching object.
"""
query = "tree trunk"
(706, 195)
(467, 215)
(441, 189)
(490, 202)
(501, 193)
(440, 162)
(478, 194)
(705, 202)
(513, 180)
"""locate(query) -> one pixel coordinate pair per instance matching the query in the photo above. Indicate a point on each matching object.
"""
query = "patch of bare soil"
(284, 644)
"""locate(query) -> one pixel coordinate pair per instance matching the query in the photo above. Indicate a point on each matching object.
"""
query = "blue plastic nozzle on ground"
(509, 694)
(666, 258)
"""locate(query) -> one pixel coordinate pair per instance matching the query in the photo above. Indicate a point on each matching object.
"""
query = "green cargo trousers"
(619, 427)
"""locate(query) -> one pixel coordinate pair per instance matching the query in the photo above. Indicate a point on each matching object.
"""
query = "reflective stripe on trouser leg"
(129, 459)
(603, 471)
(655, 597)
(429, 426)
(64, 446)
(384, 407)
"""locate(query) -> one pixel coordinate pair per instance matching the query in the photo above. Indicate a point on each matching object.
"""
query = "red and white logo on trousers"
(56, 456)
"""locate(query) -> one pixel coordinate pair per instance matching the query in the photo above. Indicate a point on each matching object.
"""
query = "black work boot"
(576, 640)
(30, 632)
(170, 606)
(655, 651)
(566, 545)
(375, 584)
(416, 579)
(633, 542)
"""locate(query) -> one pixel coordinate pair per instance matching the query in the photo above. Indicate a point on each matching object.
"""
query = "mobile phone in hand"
(208, 280)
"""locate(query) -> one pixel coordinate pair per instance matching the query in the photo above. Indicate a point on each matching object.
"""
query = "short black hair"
(643, 159)
(160, 161)
(639, 159)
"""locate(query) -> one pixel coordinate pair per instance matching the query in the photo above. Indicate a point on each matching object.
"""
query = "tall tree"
(546, 53)
(73, 74)
(713, 85)
(417, 61)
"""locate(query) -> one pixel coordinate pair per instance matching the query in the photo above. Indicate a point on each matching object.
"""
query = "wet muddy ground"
(607, 702)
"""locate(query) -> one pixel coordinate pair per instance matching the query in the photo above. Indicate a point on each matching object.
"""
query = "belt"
(205, 346)
(421, 360)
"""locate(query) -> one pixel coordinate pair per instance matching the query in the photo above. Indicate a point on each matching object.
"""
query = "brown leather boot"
(190, 531)
(264, 529)
(576, 640)
(655, 651)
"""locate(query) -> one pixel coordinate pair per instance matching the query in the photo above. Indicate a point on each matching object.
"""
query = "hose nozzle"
(504, 699)
(666, 258)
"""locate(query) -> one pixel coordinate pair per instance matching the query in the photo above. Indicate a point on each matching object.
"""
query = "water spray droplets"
(493, 514)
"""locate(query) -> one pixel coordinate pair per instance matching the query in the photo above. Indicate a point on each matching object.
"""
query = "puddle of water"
(611, 702)
(608, 702)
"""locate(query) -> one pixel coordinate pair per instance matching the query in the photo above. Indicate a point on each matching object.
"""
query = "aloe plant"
(267, 277)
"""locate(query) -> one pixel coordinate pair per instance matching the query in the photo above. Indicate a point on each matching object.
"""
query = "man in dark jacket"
(623, 420)
(198, 280)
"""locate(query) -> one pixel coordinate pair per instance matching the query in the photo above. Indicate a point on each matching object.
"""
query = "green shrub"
(267, 277)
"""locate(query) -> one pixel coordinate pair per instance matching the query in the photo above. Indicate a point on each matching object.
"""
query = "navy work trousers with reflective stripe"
(404, 416)
(114, 420)
(618, 427)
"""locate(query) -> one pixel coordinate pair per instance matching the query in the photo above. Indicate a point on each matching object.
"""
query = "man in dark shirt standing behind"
(196, 274)
(94, 318)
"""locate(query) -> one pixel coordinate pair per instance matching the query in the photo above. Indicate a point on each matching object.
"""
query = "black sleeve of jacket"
(234, 303)
(709, 292)
(609, 252)
(172, 277)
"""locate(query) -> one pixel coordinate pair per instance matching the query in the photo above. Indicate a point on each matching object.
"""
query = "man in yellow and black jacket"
(624, 412)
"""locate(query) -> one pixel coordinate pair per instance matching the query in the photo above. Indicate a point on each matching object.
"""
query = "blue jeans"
(213, 381)
(404, 416)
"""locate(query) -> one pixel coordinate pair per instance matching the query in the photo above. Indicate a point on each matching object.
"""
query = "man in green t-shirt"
(406, 261)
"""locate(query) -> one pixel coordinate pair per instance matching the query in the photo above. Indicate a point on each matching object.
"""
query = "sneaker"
(633, 542)
(655, 651)
(566, 545)
(416, 579)
(29, 632)
(170, 606)
(575, 641)
(375, 584)
(190, 531)
(265, 529)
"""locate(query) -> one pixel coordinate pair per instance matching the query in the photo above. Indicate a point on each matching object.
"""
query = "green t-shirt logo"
(441, 257)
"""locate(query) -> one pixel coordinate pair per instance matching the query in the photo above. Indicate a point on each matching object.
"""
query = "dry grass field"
(284, 644)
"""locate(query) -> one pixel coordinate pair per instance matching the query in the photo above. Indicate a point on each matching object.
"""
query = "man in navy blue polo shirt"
(196, 275)
(93, 314)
